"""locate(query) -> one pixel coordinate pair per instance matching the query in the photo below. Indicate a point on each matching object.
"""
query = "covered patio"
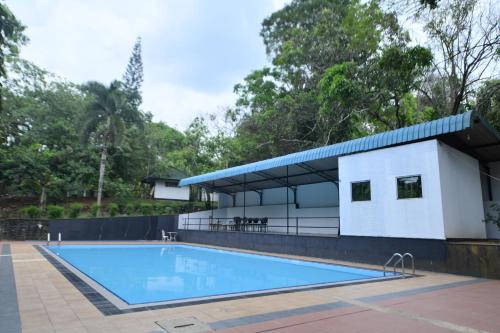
(265, 197)
(301, 194)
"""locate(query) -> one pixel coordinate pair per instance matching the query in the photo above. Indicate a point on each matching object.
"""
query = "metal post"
(212, 203)
(244, 194)
(297, 226)
(199, 224)
(287, 226)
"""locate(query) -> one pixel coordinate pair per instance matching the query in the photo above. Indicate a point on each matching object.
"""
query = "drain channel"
(184, 325)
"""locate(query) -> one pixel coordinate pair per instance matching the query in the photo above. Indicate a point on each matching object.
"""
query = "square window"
(360, 191)
(409, 187)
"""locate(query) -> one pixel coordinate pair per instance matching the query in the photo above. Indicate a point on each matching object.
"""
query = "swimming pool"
(139, 274)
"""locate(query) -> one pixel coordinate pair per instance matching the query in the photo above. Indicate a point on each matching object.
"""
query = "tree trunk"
(43, 197)
(102, 167)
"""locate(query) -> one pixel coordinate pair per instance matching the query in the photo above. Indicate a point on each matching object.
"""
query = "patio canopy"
(467, 132)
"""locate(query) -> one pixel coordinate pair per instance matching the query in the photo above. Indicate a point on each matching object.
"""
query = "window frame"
(409, 176)
(359, 182)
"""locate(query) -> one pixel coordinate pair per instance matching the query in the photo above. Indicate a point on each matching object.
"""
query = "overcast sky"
(194, 51)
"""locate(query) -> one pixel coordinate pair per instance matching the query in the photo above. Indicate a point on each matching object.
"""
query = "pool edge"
(108, 307)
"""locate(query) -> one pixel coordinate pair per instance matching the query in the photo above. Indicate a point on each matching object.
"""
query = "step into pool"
(139, 274)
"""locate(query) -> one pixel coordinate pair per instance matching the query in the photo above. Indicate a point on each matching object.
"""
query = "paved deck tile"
(48, 302)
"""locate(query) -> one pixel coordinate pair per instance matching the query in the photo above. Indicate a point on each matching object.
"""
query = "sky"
(194, 51)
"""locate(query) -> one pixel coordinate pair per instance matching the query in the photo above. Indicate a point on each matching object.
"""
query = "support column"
(287, 213)
(244, 194)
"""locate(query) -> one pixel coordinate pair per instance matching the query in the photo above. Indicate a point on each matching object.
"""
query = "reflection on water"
(140, 274)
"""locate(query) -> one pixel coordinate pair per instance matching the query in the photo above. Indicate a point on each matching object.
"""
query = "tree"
(278, 110)
(134, 76)
(11, 37)
(107, 117)
(466, 37)
(488, 102)
(378, 92)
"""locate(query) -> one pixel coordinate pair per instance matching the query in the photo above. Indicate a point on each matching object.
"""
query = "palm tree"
(106, 118)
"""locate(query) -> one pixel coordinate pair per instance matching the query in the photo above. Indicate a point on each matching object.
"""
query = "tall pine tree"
(133, 77)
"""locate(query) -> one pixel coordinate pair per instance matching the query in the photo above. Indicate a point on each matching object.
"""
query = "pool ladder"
(401, 260)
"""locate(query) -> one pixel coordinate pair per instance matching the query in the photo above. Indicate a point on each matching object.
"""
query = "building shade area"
(434, 180)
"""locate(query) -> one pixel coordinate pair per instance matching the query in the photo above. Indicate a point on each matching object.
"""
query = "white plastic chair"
(164, 237)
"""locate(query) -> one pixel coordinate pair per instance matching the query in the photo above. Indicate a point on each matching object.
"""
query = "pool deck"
(36, 297)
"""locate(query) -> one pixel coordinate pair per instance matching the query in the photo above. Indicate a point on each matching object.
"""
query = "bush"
(74, 210)
(112, 209)
(55, 212)
(130, 209)
(33, 212)
(159, 209)
(146, 209)
(94, 209)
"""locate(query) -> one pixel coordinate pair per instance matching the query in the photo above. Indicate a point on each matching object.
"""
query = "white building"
(166, 186)
(429, 181)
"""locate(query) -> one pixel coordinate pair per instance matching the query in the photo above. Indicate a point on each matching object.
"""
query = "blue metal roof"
(400, 136)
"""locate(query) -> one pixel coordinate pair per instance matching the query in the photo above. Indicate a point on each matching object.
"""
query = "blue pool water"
(153, 273)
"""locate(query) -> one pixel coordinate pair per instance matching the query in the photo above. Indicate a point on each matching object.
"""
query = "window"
(409, 187)
(360, 191)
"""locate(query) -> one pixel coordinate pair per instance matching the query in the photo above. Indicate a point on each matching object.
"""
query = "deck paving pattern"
(48, 302)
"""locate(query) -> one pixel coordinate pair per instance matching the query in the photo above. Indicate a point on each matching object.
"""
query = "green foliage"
(95, 209)
(11, 36)
(33, 212)
(112, 209)
(75, 210)
(340, 69)
(493, 215)
(130, 209)
(146, 209)
(55, 212)
(133, 76)
(488, 102)
(379, 91)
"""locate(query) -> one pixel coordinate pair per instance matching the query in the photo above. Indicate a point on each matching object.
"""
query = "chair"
(244, 224)
(254, 222)
(164, 236)
(237, 223)
(263, 222)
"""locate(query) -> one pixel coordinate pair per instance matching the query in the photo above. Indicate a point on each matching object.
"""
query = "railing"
(401, 260)
(279, 225)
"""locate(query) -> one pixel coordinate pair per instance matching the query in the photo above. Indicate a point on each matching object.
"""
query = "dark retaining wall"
(23, 229)
(429, 254)
(474, 258)
(113, 228)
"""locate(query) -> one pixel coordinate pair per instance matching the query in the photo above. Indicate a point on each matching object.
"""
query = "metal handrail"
(402, 261)
(398, 255)
(412, 261)
(216, 221)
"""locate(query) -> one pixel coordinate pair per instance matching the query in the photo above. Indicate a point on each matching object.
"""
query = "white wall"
(461, 193)
(317, 217)
(384, 215)
(168, 192)
(308, 196)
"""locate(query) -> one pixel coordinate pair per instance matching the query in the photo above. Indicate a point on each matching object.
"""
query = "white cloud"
(173, 101)
(184, 45)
